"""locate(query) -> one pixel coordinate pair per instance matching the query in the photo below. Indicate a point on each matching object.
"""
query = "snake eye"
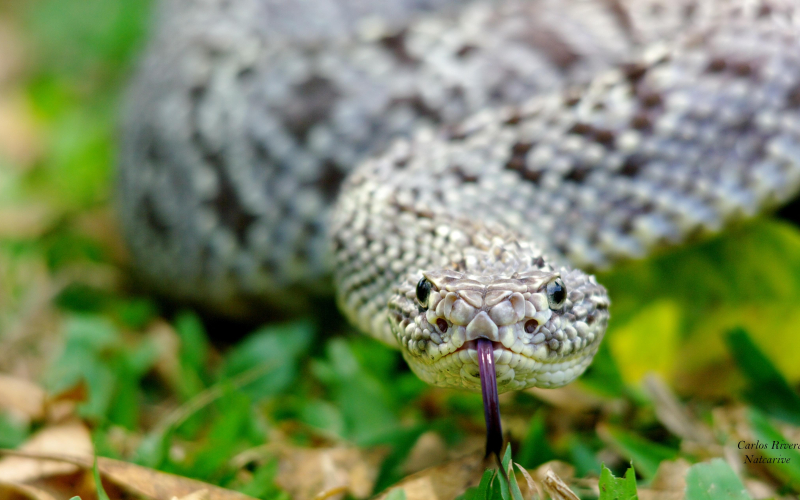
(423, 292)
(556, 294)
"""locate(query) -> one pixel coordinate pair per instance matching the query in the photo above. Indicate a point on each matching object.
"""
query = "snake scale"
(458, 168)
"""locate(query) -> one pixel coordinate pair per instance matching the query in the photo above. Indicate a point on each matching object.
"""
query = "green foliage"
(714, 480)
(97, 354)
(603, 375)
(487, 489)
(784, 463)
(496, 485)
(136, 312)
(231, 430)
(618, 488)
(88, 36)
(400, 443)
(767, 389)
(534, 449)
(364, 400)
(583, 457)
(274, 349)
(98, 483)
(80, 54)
(509, 489)
(263, 483)
(193, 354)
(396, 494)
(645, 454)
(12, 432)
(722, 283)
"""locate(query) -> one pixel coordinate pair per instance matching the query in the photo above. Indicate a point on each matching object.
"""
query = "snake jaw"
(533, 345)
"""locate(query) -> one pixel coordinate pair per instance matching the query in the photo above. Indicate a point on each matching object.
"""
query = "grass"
(700, 354)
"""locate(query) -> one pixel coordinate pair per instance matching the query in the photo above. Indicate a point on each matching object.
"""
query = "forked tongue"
(491, 406)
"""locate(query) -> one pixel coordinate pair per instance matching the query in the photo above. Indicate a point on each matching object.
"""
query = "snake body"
(458, 168)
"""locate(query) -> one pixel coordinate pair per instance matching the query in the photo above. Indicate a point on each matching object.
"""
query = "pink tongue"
(491, 406)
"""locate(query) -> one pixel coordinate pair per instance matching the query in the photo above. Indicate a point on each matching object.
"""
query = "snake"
(452, 172)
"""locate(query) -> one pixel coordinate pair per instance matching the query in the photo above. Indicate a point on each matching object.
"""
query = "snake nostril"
(442, 324)
(531, 325)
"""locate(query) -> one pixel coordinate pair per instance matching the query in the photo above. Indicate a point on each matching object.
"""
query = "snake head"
(545, 325)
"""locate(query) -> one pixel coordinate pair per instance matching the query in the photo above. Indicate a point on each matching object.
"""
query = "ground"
(695, 384)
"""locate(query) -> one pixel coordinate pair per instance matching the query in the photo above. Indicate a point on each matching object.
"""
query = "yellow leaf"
(648, 342)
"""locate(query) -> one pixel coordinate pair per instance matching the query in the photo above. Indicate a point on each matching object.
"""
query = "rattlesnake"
(458, 168)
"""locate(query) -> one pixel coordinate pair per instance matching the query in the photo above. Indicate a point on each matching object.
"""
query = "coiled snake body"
(494, 153)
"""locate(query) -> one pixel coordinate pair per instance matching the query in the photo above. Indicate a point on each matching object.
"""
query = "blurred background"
(701, 352)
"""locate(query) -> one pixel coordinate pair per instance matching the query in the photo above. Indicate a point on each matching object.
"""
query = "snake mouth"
(513, 370)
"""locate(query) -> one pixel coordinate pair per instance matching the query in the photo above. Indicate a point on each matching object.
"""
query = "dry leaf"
(159, 485)
(331, 493)
(135, 479)
(561, 469)
(533, 490)
(102, 225)
(429, 450)
(669, 483)
(12, 50)
(671, 475)
(570, 398)
(22, 398)
(14, 491)
(168, 344)
(20, 137)
(25, 221)
(443, 482)
(197, 495)
(672, 414)
(306, 473)
(557, 488)
(71, 437)
(760, 489)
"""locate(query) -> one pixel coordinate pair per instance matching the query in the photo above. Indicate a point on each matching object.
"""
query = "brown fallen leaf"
(196, 495)
(101, 225)
(307, 473)
(557, 488)
(331, 493)
(533, 491)
(159, 485)
(562, 469)
(673, 415)
(22, 398)
(760, 489)
(25, 222)
(135, 479)
(70, 437)
(14, 491)
(20, 134)
(61, 406)
(11, 46)
(429, 450)
(571, 398)
(443, 482)
(669, 483)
